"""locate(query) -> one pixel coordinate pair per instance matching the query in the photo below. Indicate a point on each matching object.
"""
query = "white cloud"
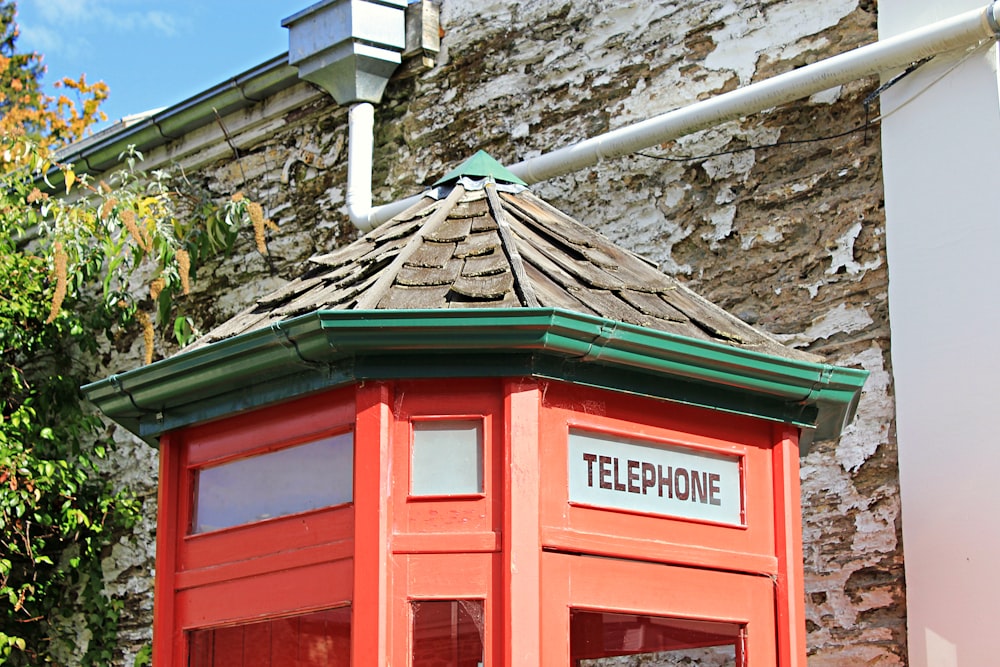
(110, 15)
(50, 42)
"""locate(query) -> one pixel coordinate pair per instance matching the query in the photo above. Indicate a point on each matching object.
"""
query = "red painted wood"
(326, 526)
(609, 530)
(372, 490)
(275, 426)
(447, 400)
(523, 546)
(257, 566)
(388, 549)
(581, 582)
(471, 542)
(165, 642)
(265, 569)
(574, 541)
(273, 594)
(790, 580)
(453, 576)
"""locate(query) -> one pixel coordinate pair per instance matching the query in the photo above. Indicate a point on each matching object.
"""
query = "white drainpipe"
(961, 31)
(360, 147)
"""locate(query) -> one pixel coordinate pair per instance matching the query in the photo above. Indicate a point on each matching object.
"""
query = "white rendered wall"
(941, 156)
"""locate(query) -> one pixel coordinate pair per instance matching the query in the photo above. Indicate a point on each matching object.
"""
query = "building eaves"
(101, 152)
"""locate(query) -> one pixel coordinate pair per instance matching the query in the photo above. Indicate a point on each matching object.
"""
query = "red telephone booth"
(481, 435)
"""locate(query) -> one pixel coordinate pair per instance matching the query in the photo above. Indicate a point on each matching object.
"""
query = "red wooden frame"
(520, 546)
(581, 582)
(610, 532)
(446, 547)
(304, 561)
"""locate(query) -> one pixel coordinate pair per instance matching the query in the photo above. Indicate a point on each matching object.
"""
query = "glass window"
(636, 640)
(447, 458)
(448, 633)
(318, 639)
(286, 481)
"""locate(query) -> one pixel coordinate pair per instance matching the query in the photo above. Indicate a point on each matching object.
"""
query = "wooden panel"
(273, 594)
(243, 569)
(523, 546)
(791, 614)
(628, 534)
(299, 531)
(447, 400)
(274, 426)
(600, 584)
(167, 642)
(373, 576)
(466, 542)
(447, 577)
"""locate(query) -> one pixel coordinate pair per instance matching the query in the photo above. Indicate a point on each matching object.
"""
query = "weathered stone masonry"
(789, 237)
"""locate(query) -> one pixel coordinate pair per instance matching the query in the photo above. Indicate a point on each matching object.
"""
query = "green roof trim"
(330, 348)
(481, 165)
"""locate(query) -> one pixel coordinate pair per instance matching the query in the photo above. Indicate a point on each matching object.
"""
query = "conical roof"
(483, 240)
(482, 277)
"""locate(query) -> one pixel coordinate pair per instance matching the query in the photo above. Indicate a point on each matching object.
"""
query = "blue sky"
(153, 53)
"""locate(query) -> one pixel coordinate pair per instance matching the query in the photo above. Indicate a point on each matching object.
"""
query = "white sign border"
(583, 494)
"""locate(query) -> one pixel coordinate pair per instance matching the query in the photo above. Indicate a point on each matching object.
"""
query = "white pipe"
(947, 35)
(360, 147)
(958, 32)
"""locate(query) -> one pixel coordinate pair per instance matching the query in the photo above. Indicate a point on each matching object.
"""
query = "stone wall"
(781, 227)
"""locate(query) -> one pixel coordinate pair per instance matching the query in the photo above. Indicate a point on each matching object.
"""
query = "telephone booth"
(434, 450)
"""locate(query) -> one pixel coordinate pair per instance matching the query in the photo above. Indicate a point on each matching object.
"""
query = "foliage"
(79, 259)
(104, 258)
(25, 108)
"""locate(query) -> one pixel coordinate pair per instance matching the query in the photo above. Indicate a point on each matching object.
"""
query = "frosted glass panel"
(295, 479)
(447, 458)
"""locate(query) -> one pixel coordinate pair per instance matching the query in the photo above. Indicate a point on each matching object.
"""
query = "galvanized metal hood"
(481, 277)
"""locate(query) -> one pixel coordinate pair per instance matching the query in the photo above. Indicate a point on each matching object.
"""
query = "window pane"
(448, 633)
(286, 481)
(595, 637)
(447, 458)
(319, 639)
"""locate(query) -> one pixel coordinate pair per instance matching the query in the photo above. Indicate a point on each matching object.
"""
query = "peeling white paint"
(842, 319)
(828, 96)
(877, 410)
(721, 220)
(773, 30)
(842, 256)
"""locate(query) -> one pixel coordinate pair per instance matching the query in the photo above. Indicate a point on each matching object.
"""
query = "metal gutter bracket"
(349, 48)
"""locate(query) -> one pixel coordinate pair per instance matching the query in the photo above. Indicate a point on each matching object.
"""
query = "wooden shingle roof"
(491, 243)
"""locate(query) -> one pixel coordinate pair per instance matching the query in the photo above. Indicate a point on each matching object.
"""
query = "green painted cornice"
(329, 348)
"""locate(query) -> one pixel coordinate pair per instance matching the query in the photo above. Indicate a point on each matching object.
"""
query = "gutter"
(100, 152)
(326, 349)
(958, 32)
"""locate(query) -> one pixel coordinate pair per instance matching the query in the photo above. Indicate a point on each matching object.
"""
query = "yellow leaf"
(70, 179)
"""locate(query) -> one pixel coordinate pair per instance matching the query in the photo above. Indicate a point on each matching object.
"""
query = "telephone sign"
(652, 478)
